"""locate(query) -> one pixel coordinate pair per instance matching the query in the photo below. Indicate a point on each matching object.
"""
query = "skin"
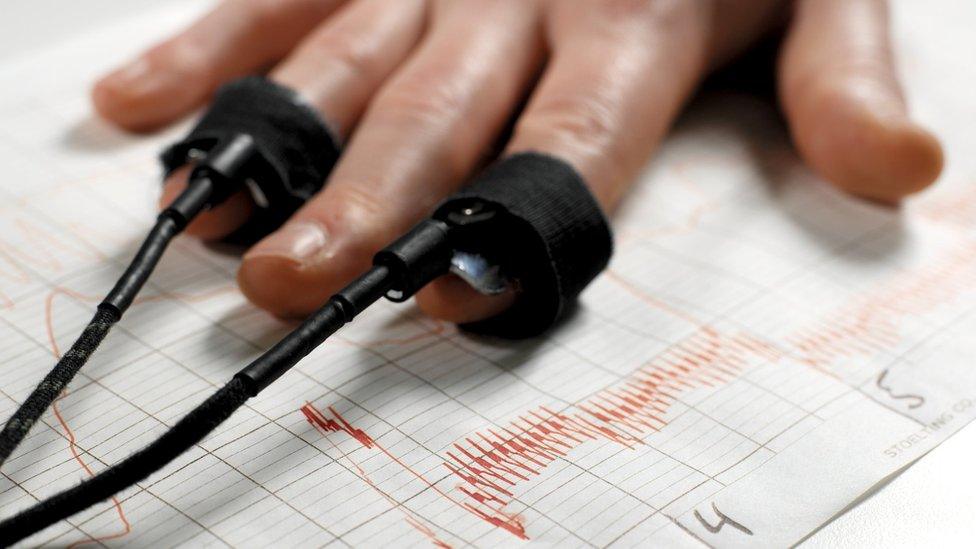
(421, 91)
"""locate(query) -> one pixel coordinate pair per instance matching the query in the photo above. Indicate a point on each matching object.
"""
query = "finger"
(337, 69)
(236, 38)
(420, 138)
(619, 74)
(341, 64)
(214, 224)
(844, 104)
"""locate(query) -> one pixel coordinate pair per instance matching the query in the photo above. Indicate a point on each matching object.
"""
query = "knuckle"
(625, 9)
(265, 12)
(482, 7)
(424, 97)
(657, 13)
(571, 117)
(261, 10)
(346, 50)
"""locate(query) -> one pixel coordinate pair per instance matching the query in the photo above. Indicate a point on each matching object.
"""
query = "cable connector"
(289, 150)
(417, 258)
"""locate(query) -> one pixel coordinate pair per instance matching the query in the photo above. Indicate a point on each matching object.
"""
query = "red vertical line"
(315, 418)
(651, 417)
(573, 425)
(550, 437)
(824, 342)
(357, 434)
(517, 448)
(642, 376)
(652, 402)
(484, 475)
(863, 344)
(661, 406)
(515, 527)
(714, 378)
(836, 333)
(473, 478)
(606, 427)
(426, 531)
(731, 371)
(801, 343)
(528, 447)
(674, 361)
(495, 506)
(547, 424)
(507, 454)
(495, 461)
(667, 395)
(608, 432)
(703, 373)
(646, 418)
(638, 393)
(684, 352)
(705, 348)
(573, 422)
(480, 496)
(635, 399)
(760, 347)
(512, 524)
(616, 416)
(556, 424)
(540, 437)
(874, 330)
(653, 399)
(633, 416)
(531, 445)
(655, 375)
(622, 401)
(571, 429)
(535, 443)
(677, 379)
(665, 388)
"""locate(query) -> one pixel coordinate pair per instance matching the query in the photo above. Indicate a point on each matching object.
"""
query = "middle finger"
(421, 137)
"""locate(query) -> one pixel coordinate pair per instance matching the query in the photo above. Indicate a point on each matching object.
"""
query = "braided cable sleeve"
(109, 312)
(54, 383)
(190, 430)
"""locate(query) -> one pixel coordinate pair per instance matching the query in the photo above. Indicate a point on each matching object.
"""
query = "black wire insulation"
(169, 224)
(339, 310)
(188, 431)
(56, 380)
(336, 313)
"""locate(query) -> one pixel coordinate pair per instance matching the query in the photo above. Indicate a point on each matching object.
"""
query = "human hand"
(423, 90)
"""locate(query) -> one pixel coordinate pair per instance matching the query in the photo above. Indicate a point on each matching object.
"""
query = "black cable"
(554, 235)
(169, 224)
(56, 380)
(187, 432)
(339, 310)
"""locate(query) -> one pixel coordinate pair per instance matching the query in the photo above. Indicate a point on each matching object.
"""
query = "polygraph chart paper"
(760, 353)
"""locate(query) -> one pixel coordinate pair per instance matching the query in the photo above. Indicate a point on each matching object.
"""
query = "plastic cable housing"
(295, 148)
(533, 215)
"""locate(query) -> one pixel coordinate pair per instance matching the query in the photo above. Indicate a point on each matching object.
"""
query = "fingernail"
(298, 241)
